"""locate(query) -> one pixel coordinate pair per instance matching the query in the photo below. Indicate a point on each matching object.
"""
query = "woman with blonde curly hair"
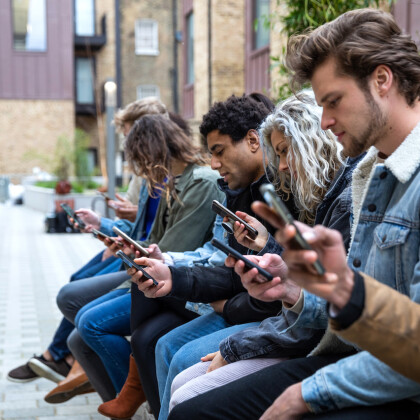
(304, 161)
(302, 158)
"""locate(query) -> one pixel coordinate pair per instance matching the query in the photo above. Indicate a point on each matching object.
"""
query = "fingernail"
(309, 235)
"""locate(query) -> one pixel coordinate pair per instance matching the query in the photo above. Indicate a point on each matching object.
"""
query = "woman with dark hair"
(158, 150)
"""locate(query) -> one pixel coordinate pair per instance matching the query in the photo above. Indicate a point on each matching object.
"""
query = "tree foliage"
(304, 14)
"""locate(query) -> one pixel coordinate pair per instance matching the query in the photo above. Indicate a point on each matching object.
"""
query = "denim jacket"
(386, 246)
(136, 229)
(280, 336)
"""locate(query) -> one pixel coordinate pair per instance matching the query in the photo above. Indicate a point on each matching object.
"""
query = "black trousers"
(250, 396)
(150, 320)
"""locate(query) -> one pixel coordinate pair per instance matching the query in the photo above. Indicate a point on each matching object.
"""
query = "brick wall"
(32, 125)
(144, 69)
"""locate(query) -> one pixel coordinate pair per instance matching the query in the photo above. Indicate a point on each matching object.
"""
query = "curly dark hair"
(359, 40)
(234, 117)
(152, 144)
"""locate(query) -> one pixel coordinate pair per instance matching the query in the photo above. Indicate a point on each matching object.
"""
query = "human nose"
(214, 163)
(283, 166)
(327, 120)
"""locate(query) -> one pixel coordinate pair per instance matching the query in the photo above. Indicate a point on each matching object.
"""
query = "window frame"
(26, 51)
(141, 50)
(147, 86)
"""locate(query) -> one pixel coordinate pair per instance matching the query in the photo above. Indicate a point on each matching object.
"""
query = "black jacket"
(208, 284)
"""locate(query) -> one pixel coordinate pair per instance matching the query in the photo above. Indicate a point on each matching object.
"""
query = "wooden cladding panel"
(39, 75)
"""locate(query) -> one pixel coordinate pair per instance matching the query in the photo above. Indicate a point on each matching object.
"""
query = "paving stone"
(28, 311)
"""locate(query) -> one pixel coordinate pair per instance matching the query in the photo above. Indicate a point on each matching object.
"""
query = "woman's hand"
(241, 234)
(217, 361)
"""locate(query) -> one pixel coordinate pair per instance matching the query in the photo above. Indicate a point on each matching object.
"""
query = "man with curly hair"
(230, 129)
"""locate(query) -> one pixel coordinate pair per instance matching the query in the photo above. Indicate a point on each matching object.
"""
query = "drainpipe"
(209, 36)
(118, 75)
(176, 36)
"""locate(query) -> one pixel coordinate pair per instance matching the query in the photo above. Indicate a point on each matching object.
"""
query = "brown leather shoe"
(129, 399)
(76, 383)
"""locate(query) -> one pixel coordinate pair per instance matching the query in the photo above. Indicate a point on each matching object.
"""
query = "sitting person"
(157, 149)
(366, 74)
(291, 136)
(237, 117)
(56, 361)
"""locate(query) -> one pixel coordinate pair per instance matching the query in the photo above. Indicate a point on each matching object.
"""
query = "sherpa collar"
(402, 163)
(406, 158)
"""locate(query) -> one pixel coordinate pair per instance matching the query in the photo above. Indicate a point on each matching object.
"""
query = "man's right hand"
(280, 288)
(159, 271)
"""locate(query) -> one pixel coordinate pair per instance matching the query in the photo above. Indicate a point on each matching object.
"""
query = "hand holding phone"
(70, 212)
(131, 264)
(221, 210)
(237, 255)
(102, 236)
(144, 252)
(298, 241)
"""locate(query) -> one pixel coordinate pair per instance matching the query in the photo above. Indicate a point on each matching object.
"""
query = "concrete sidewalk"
(33, 267)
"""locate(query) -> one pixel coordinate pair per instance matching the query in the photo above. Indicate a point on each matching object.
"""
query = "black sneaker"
(22, 374)
(54, 371)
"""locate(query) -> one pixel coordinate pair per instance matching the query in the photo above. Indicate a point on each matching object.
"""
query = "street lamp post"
(110, 104)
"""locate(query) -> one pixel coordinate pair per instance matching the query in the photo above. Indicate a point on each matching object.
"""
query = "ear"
(382, 78)
(253, 140)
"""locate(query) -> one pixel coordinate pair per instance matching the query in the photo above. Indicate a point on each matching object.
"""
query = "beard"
(372, 133)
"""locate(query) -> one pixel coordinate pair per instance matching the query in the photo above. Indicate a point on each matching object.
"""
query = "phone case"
(230, 251)
(128, 261)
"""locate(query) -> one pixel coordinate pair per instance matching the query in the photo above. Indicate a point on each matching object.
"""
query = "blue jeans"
(58, 347)
(103, 325)
(184, 346)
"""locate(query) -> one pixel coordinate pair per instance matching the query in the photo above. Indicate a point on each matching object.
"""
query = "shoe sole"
(44, 371)
(20, 381)
(61, 397)
(113, 418)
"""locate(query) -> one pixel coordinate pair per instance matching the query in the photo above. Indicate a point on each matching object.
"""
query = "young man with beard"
(366, 75)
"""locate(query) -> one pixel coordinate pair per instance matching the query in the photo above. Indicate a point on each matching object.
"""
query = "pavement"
(33, 267)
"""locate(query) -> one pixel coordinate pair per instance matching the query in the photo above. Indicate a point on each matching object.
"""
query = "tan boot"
(129, 399)
(76, 383)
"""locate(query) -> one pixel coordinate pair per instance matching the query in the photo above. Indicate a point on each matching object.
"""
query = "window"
(84, 16)
(84, 81)
(144, 91)
(262, 32)
(29, 25)
(147, 42)
(190, 48)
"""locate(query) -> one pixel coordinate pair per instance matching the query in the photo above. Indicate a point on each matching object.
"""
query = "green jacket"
(191, 219)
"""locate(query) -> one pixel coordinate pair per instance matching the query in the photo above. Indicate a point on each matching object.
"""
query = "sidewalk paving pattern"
(33, 267)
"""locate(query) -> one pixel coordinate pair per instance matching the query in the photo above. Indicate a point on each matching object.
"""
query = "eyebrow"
(213, 148)
(326, 97)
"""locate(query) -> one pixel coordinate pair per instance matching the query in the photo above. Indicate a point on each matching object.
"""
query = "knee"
(162, 350)
(87, 325)
(65, 299)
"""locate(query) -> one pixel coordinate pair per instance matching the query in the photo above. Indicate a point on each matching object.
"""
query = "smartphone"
(139, 248)
(237, 255)
(70, 212)
(276, 203)
(221, 210)
(97, 233)
(104, 195)
(130, 263)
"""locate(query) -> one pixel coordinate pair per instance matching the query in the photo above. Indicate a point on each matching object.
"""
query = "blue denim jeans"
(184, 346)
(103, 325)
(58, 347)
